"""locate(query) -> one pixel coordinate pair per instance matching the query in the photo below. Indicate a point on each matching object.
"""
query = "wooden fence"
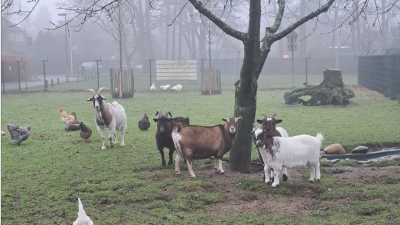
(122, 83)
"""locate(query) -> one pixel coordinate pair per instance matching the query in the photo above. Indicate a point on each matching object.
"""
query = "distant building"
(14, 40)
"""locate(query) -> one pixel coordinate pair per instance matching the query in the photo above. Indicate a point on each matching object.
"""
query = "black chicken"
(86, 132)
(144, 123)
(18, 134)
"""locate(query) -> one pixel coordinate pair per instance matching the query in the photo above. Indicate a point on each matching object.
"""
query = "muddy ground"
(302, 201)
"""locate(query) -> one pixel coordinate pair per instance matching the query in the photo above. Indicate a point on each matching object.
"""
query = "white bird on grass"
(165, 87)
(177, 87)
(153, 87)
(83, 219)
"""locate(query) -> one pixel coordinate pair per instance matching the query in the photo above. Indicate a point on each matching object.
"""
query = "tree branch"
(224, 27)
(310, 16)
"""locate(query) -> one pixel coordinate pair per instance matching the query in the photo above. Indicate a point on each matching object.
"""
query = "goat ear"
(260, 121)
(225, 119)
(238, 119)
(278, 121)
(155, 120)
(90, 99)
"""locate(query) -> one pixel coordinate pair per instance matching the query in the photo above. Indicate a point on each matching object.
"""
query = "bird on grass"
(86, 132)
(165, 87)
(83, 219)
(18, 134)
(144, 123)
(73, 126)
(177, 87)
(153, 87)
(67, 118)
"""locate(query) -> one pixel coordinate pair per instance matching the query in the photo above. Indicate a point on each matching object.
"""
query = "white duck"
(83, 219)
(177, 87)
(153, 87)
(165, 87)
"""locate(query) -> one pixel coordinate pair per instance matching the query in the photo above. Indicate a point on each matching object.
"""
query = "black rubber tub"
(362, 156)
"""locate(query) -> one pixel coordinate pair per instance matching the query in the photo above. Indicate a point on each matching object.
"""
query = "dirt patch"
(358, 173)
(301, 200)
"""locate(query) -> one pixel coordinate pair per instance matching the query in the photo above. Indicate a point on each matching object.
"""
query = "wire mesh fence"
(380, 73)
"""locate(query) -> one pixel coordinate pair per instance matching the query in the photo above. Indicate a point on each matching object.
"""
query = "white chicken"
(153, 87)
(177, 87)
(165, 87)
(83, 219)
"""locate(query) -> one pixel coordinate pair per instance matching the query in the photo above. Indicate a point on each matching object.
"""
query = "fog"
(136, 33)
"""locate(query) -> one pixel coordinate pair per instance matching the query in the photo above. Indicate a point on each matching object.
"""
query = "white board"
(176, 69)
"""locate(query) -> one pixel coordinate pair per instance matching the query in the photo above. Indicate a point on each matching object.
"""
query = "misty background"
(167, 30)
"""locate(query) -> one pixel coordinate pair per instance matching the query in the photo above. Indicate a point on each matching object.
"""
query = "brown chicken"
(86, 132)
(73, 126)
(65, 118)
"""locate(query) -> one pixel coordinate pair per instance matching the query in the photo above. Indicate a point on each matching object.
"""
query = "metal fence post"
(19, 77)
(2, 77)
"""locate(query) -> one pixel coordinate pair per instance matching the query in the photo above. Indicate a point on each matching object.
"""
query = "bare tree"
(119, 26)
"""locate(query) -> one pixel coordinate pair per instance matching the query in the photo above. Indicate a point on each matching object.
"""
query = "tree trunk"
(330, 91)
(245, 93)
(167, 32)
(245, 107)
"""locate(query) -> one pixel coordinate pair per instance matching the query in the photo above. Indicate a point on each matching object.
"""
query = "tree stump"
(330, 91)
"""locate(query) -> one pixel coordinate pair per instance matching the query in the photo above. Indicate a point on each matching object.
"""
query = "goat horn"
(159, 113)
(273, 116)
(91, 90)
(100, 89)
(266, 117)
(166, 113)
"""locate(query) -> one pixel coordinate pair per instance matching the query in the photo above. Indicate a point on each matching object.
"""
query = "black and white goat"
(110, 115)
(163, 134)
(296, 151)
(269, 125)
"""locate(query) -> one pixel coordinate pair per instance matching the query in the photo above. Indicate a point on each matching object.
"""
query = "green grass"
(42, 179)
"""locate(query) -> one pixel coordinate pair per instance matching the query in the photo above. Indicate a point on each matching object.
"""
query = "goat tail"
(320, 137)
(176, 137)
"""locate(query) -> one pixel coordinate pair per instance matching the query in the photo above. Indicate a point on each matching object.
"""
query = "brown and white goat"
(269, 126)
(110, 115)
(163, 134)
(198, 142)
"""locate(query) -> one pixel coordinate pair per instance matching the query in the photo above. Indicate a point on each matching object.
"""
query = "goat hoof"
(163, 164)
(311, 181)
(271, 179)
(285, 178)
(274, 185)
(318, 180)
(177, 173)
(122, 144)
(104, 147)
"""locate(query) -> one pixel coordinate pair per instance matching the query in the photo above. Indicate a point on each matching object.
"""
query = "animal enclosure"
(122, 83)
(210, 81)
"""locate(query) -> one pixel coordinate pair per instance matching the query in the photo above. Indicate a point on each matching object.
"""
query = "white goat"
(110, 115)
(296, 151)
